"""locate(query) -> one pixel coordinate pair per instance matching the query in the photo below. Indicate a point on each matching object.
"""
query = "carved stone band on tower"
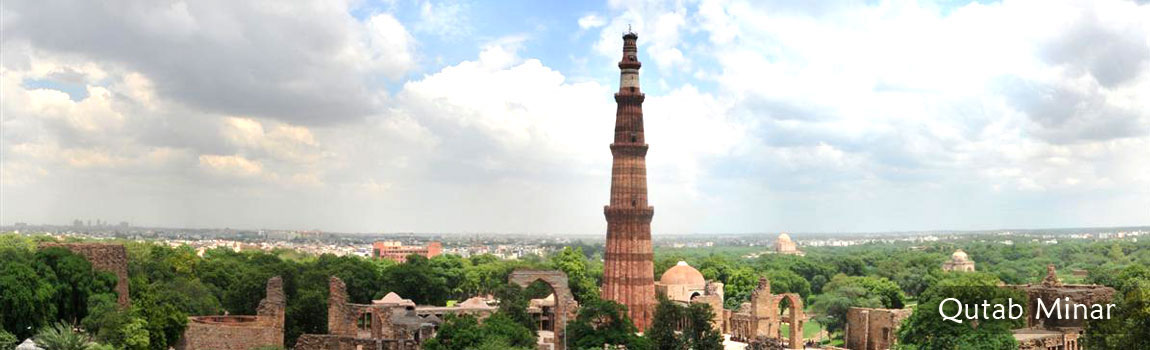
(629, 270)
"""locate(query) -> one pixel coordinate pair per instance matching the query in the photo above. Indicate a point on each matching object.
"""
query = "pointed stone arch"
(796, 318)
(565, 305)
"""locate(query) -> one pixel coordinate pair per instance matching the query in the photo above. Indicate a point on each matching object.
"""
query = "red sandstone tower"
(629, 271)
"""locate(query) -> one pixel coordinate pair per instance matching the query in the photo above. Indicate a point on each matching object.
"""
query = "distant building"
(959, 261)
(784, 245)
(396, 251)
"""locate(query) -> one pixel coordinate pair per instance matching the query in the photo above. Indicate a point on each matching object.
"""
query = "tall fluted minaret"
(629, 269)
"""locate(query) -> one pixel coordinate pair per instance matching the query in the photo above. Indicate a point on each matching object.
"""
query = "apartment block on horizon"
(396, 251)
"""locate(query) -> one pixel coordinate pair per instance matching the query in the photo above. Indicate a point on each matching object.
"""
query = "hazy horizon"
(446, 116)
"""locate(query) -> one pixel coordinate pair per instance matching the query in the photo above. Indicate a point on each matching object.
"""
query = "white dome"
(959, 255)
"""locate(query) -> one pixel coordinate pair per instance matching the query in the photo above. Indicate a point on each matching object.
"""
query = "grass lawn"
(810, 329)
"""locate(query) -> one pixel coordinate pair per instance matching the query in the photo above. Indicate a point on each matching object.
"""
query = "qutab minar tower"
(629, 271)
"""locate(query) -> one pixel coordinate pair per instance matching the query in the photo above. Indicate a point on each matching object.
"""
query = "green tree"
(416, 280)
(7, 340)
(513, 304)
(61, 336)
(116, 326)
(500, 326)
(466, 333)
(575, 264)
(1130, 327)
(700, 333)
(665, 325)
(844, 292)
(696, 331)
(604, 322)
(27, 298)
(925, 329)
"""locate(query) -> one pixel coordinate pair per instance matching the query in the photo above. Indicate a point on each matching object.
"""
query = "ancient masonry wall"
(223, 336)
(240, 332)
(335, 342)
(873, 329)
(104, 257)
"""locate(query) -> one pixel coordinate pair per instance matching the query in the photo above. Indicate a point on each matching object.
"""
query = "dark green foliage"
(111, 325)
(513, 304)
(466, 333)
(700, 333)
(7, 340)
(27, 298)
(1130, 327)
(679, 327)
(61, 336)
(501, 326)
(306, 313)
(418, 281)
(926, 330)
(579, 275)
(604, 322)
(664, 325)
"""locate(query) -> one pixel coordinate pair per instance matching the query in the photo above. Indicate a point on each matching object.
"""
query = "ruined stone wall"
(240, 332)
(104, 257)
(566, 307)
(716, 303)
(1052, 289)
(208, 336)
(763, 309)
(873, 329)
(273, 307)
(335, 342)
(340, 315)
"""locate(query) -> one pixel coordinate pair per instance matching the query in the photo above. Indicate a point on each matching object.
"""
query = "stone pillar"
(340, 318)
(629, 270)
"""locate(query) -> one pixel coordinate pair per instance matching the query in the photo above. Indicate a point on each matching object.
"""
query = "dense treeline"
(41, 287)
(168, 284)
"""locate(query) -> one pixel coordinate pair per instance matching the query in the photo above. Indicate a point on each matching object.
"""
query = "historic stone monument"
(265, 329)
(684, 284)
(629, 269)
(104, 257)
(763, 318)
(566, 307)
(785, 245)
(873, 329)
(959, 261)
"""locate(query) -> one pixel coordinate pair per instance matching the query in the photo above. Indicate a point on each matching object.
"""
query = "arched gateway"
(565, 305)
(763, 318)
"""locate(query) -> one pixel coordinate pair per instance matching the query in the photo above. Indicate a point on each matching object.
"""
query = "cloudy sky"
(477, 116)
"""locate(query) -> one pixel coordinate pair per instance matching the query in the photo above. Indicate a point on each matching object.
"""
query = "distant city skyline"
(453, 117)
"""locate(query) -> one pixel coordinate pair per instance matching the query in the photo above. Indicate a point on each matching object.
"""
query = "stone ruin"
(394, 323)
(565, 309)
(761, 318)
(1044, 333)
(1052, 289)
(873, 328)
(105, 257)
(391, 323)
(227, 332)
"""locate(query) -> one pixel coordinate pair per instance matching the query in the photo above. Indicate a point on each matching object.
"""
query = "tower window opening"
(633, 203)
(632, 89)
(634, 139)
